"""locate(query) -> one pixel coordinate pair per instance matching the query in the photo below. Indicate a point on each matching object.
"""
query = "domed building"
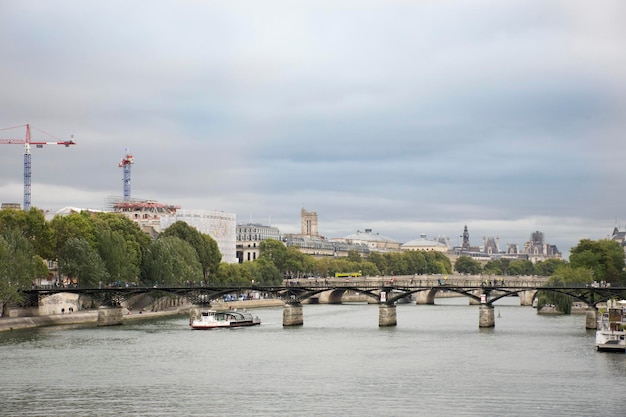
(373, 241)
(424, 244)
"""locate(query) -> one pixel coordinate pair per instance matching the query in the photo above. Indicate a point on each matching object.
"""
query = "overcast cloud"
(405, 117)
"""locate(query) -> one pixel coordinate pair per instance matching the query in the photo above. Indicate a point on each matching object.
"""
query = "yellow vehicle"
(347, 274)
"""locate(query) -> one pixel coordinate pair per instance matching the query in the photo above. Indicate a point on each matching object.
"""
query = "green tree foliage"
(497, 267)
(520, 267)
(564, 275)
(33, 226)
(204, 245)
(437, 263)
(275, 252)
(354, 256)
(79, 261)
(263, 272)
(135, 240)
(546, 268)
(171, 261)
(18, 265)
(379, 261)
(466, 265)
(604, 257)
(72, 226)
(114, 252)
(233, 274)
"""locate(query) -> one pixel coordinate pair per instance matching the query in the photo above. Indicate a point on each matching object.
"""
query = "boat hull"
(611, 333)
(211, 319)
(211, 326)
(610, 342)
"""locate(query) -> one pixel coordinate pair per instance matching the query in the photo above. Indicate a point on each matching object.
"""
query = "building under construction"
(221, 226)
(147, 213)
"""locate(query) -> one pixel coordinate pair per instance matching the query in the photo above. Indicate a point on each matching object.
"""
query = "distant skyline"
(401, 117)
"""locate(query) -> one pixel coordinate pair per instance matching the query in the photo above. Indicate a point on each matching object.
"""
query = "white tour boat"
(211, 319)
(610, 334)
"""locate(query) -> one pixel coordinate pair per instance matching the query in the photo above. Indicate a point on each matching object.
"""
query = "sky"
(404, 117)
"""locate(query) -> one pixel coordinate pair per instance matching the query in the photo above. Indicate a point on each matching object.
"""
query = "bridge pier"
(526, 297)
(424, 297)
(387, 315)
(475, 301)
(486, 318)
(110, 316)
(292, 315)
(591, 318)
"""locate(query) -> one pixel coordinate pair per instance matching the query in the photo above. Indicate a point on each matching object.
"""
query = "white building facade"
(222, 227)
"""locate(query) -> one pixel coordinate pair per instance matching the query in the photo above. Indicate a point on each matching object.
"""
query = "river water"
(435, 362)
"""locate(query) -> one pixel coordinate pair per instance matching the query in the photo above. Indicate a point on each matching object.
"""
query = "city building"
(308, 223)
(146, 213)
(221, 226)
(536, 250)
(620, 237)
(374, 241)
(249, 237)
(424, 244)
(311, 243)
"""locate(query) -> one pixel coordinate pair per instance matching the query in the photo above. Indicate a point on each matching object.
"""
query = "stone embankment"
(91, 316)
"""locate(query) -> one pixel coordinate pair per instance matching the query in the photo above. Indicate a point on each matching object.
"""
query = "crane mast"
(27, 157)
(126, 162)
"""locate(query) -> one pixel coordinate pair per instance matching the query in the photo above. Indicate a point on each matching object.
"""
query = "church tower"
(466, 242)
(308, 223)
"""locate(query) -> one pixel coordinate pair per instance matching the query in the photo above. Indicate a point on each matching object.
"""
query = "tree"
(18, 265)
(204, 245)
(354, 256)
(466, 265)
(270, 275)
(416, 262)
(33, 226)
(75, 225)
(119, 261)
(80, 262)
(497, 267)
(521, 267)
(604, 257)
(135, 240)
(564, 275)
(171, 261)
(546, 268)
(274, 251)
(438, 263)
(233, 274)
(380, 261)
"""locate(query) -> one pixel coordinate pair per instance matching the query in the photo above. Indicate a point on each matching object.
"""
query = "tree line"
(590, 261)
(107, 249)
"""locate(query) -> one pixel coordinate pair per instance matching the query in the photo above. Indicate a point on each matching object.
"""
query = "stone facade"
(308, 223)
(250, 236)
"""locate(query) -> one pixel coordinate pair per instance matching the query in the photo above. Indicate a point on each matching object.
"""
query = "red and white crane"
(27, 163)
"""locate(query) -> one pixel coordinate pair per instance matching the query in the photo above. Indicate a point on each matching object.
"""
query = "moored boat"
(611, 334)
(211, 319)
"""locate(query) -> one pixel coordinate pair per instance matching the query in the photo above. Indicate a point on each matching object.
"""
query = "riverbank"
(91, 316)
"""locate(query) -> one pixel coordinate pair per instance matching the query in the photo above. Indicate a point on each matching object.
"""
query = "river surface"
(435, 362)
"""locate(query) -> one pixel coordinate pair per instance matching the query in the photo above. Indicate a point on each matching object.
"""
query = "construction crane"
(27, 163)
(126, 162)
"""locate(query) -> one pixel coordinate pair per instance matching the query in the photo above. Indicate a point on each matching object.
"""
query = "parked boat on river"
(611, 334)
(211, 319)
